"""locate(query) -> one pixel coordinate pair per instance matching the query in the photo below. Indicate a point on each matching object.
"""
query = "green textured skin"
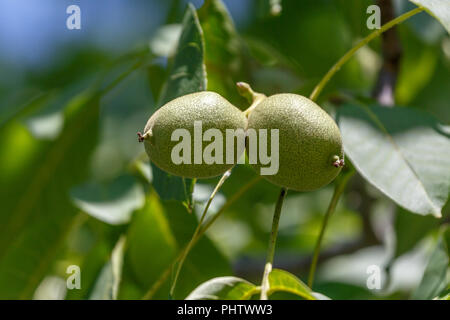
(308, 140)
(209, 107)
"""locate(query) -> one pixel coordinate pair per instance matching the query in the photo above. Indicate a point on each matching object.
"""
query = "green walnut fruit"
(310, 145)
(179, 141)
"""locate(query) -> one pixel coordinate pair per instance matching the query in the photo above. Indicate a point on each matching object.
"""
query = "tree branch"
(384, 90)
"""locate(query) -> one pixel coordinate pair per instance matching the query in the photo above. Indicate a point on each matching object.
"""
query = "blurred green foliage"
(77, 189)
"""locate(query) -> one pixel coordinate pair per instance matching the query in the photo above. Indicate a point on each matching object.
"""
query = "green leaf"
(37, 213)
(187, 75)
(410, 229)
(107, 284)
(112, 203)
(156, 77)
(440, 9)
(232, 288)
(159, 230)
(434, 279)
(46, 126)
(345, 291)
(446, 297)
(222, 50)
(403, 152)
(267, 55)
(91, 264)
(417, 67)
(188, 72)
(281, 280)
(270, 8)
(169, 187)
(223, 288)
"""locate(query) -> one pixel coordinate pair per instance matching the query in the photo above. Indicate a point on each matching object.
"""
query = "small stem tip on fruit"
(246, 91)
(141, 137)
(338, 162)
(145, 136)
(253, 97)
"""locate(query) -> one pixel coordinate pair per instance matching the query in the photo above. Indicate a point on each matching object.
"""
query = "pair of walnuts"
(310, 146)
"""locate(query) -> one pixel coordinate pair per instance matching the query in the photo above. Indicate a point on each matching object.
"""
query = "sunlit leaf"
(223, 288)
(144, 170)
(281, 280)
(164, 41)
(446, 297)
(440, 9)
(434, 279)
(344, 291)
(112, 203)
(28, 102)
(403, 152)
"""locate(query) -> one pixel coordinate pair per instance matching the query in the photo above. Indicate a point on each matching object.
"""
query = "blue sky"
(31, 31)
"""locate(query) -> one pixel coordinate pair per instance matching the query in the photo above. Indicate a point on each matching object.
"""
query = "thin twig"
(197, 230)
(162, 279)
(392, 52)
(265, 285)
(338, 190)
